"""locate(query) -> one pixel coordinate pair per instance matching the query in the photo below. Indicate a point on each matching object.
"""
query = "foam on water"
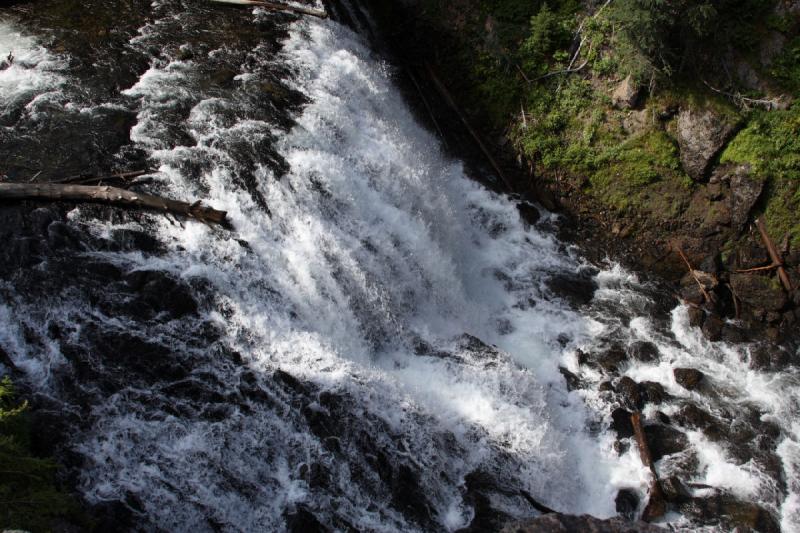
(32, 71)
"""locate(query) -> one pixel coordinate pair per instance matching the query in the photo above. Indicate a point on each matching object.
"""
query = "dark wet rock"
(693, 294)
(732, 334)
(664, 440)
(628, 391)
(129, 239)
(112, 516)
(711, 264)
(712, 327)
(573, 381)
(626, 503)
(643, 351)
(479, 488)
(674, 489)
(652, 392)
(605, 386)
(729, 512)
(702, 133)
(561, 523)
(692, 416)
(745, 191)
(611, 359)
(303, 521)
(688, 378)
(528, 212)
(696, 316)
(626, 94)
(621, 423)
(759, 291)
(751, 255)
(577, 289)
(769, 358)
(158, 292)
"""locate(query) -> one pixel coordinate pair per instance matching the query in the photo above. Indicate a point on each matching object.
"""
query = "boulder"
(745, 190)
(712, 327)
(768, 358)
(664, 440)
(674, 489)
(731, 513)
(702, 133)
(643, 351)
(628, 390)
(626, 502)
(562, 523)
(696, 317)
(688, 378)
(626, 94)
(759, 291)
(652, 392)
(621, 423)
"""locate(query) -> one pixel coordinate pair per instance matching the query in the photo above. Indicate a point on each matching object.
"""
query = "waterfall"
(376, 342)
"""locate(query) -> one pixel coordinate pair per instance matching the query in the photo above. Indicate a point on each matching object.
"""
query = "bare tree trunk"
(449, 99)
(774, 255)
(657, 504)
(109, 195)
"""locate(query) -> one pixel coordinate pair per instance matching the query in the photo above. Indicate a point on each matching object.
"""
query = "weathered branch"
(104, 194)
(449, 99)
(774, 255)
(743, 100)
(657, 504)
(691, 272)
(124, 177)
(286, 8)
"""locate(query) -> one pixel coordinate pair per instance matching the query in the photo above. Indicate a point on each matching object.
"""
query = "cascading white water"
(369, 278)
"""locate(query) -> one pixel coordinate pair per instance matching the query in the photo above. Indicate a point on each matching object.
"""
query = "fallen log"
(286, 8)
(124, 177)
(452, 103)
(104, 194)
(657, 505)
(777, 262)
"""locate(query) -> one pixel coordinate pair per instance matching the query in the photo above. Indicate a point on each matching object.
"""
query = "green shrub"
(29, 498)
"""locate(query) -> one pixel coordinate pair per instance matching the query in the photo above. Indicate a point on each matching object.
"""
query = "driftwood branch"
(657, 504)
(777, 262)
(691, 272)
(449, 99)
(123, 177)
(745, 102)
(272, 6)
(109, 195)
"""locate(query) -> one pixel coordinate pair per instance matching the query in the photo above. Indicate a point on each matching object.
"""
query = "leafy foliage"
(770, 144)
(29, 498)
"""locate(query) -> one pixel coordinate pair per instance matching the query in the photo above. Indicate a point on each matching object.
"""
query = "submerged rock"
(643, 351)
(688, 378)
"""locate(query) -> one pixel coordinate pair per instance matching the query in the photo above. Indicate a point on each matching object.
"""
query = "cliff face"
(660, 130)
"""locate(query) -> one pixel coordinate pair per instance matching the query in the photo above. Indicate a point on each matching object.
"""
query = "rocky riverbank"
(646, 163)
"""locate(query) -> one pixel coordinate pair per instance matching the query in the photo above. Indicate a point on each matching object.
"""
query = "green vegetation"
(29, 498)
(770, 144)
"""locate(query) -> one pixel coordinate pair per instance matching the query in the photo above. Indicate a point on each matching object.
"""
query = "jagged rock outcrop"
(702, 133)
